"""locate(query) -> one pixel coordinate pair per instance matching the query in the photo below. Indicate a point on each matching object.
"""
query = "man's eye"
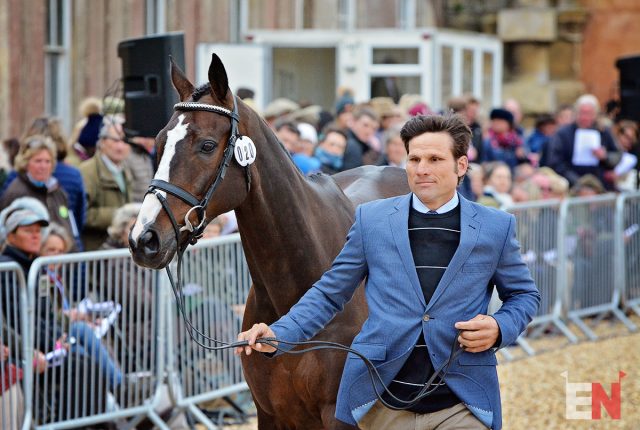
(208, 146)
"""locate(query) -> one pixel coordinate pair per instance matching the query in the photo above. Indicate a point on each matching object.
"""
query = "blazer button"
(425, 318)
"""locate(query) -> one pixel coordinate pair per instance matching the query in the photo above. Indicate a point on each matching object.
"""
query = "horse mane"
(205, 89)
(201, 91)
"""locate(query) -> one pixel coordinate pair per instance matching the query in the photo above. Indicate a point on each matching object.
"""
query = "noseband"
(199, 206)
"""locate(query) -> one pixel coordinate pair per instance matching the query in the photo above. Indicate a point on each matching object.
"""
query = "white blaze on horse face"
(151, 205)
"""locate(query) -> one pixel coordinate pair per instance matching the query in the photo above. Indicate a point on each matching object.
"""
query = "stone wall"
(612, 30)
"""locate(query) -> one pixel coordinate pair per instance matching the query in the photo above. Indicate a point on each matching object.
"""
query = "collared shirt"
(116, 171)
(421, 207)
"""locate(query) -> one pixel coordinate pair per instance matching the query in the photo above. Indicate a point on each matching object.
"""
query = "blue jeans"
(89, 345)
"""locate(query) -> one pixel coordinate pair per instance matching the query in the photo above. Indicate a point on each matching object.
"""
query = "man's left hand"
(479, 333)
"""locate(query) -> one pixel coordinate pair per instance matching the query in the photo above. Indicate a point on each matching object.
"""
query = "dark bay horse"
(291, 226)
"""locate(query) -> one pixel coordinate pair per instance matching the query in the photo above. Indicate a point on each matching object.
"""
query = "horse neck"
(279, 224)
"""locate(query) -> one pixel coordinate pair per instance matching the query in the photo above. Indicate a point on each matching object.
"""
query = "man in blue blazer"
(430, 259)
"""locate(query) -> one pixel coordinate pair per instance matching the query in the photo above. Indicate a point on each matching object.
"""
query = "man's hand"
(600, 153)
(258, 331)
(479, 333)
(39, 361)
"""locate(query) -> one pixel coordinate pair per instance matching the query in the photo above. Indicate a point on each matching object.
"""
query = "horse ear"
(218, 78)
(180, 81)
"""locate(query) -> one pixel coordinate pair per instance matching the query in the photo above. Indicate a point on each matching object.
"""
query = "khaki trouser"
(456, 417)
(11, 408)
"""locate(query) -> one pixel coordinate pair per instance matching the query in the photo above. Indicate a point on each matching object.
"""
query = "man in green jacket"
(107, 182)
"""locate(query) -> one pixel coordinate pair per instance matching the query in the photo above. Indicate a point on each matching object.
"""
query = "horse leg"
(330, 422)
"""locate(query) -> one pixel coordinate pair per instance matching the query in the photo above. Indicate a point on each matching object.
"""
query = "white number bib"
(245, 151)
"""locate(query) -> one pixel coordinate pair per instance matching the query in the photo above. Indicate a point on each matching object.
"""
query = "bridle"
(195, 232)
(199, 206)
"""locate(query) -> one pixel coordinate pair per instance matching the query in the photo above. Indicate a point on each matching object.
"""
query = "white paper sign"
(245, 151)
(585, 141)
(628, 162)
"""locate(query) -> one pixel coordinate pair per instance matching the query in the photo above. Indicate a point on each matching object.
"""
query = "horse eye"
(208, 146)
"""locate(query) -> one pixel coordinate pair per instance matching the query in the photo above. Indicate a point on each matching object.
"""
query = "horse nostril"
(149, 241)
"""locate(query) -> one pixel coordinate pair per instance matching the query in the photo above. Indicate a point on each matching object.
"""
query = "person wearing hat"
(502, 142)
(35, 164)
(278, 109)
(84, 136)
(21, 230)
(22, 233)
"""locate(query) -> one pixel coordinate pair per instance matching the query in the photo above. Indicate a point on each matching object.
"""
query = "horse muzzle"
(149, 250)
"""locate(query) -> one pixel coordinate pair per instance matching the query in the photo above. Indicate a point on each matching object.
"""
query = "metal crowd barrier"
(588, 256)
(111, 364)
(584, 255)
(628, 269)
(15, 403)
(539, 235)
(216, 284)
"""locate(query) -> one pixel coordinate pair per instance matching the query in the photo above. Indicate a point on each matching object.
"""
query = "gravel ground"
(533, 389)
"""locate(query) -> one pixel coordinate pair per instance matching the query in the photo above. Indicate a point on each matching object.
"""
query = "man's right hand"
(258, 331)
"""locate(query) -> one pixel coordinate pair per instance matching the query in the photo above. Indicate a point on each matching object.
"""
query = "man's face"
(586, 116)
(500, 179)
(112, 145)
(471, 112)
(431, 169)
(500, 126)
(364, 128)
(334, 144)
(289, 139)
(26, 238)
(395, 151)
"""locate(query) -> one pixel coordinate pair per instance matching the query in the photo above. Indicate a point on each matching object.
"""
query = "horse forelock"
(201, 91)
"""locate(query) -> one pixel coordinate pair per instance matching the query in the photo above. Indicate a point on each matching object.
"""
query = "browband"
(194, 106)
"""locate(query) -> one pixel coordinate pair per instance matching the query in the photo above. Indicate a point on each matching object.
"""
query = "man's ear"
(463, 165)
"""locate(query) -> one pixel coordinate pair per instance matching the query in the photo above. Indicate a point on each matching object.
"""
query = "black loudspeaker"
(149, 95)
(629, 87)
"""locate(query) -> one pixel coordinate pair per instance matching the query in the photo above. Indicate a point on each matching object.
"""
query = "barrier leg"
(636, 308)
(565, 330)
(626, 321)
(202, 418)
(526, 346)
(582, 326)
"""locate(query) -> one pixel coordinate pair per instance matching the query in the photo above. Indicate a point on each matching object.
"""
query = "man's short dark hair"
(364, 111)
(289, 125)
(452, 124)
(245, 93)
(329, 130)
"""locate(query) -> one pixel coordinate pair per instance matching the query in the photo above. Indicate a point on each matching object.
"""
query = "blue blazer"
(378, 248)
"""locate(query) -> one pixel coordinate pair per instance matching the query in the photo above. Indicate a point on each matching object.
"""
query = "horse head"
(196, 152)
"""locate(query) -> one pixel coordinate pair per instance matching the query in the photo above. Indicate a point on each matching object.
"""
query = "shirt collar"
(113, 167)
(422, 208)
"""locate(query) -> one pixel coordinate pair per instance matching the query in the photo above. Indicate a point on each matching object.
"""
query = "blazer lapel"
(399, 220)
(469, 230)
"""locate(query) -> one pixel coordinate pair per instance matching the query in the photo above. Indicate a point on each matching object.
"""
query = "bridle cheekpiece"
(199, 206)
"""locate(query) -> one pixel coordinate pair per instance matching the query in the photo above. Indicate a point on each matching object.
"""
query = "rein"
(199, 206)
